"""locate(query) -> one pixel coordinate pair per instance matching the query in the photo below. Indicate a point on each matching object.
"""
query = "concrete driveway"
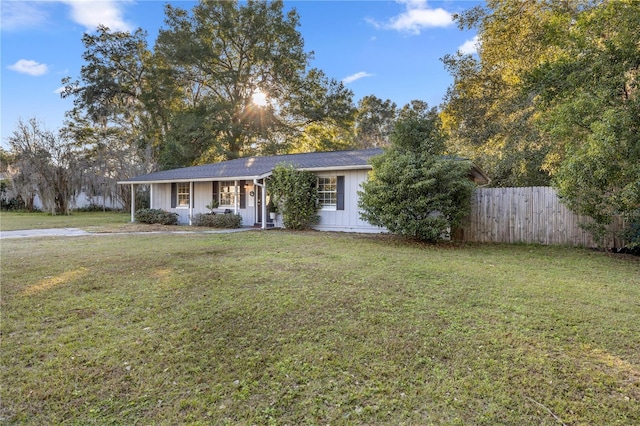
(76, 232)
(58, 232)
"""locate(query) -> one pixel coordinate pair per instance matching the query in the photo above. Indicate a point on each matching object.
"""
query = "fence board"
(533, 215)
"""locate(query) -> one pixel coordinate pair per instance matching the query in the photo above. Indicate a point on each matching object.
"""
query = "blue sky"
(390, 49)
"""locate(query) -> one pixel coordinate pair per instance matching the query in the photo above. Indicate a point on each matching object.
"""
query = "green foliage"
(632, 235)
(552, 98)
(318, 137)
(216, 57)
(212, 205)
(413, 190)
(114, 77)
(295, 194)
(92, 207)
(374, 122)
(589, 102)
(14, 204)
(189, 100)
(224, 221)
(486, 115)
(160, 216)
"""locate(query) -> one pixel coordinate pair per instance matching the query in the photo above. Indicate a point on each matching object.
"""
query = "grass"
(316, 328)
(12, 221)
(96, 222)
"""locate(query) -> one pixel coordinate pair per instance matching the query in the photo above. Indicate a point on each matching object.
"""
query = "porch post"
(264, 203)
(133, 203)
(190, 201)
(236, 197)
(150, 195)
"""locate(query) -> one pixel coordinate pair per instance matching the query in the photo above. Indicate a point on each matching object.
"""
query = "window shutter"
(243, 193)
(214, 194)
(174, 195)
(340, 193)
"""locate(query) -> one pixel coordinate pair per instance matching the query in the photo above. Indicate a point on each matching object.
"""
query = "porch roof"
(259, 167)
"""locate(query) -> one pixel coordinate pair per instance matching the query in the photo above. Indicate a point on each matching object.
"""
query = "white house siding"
(161, 196)
(161, 199)
(202, 196)
(347, 220)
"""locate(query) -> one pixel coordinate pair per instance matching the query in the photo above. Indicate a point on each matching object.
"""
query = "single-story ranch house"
(240, 186)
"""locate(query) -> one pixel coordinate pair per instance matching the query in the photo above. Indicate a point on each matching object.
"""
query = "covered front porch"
(248, 198)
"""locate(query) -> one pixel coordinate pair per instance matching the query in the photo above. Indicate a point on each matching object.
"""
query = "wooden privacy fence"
(533, 215)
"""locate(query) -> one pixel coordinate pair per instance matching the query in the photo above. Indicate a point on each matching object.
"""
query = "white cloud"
(356, 76)
(27, 66)
(470, 47)
(91, 13)
(415, 18)
(20, 15)
(59, 90)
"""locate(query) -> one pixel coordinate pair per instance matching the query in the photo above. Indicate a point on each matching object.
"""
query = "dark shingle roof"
(255, 167)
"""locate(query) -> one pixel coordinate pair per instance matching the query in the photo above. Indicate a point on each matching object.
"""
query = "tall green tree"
(552, 98)
(320, 119)
(116, 88)
(589, 103)
(413, 189)
(119, 118)
(223, 57)
(488, 117)
(374, 122)
(224, 80)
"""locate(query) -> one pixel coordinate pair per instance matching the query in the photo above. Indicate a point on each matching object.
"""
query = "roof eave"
(336, 168)
(204, 179)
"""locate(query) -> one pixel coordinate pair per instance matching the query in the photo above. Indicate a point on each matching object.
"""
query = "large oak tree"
(588, 100)
(224, 80)
(243, 78)
(552, 98)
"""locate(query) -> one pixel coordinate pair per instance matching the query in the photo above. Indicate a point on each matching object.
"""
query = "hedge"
(156, 216)
(226, 221)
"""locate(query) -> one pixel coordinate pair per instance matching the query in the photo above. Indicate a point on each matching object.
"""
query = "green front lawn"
(315, 328)
(12, 221)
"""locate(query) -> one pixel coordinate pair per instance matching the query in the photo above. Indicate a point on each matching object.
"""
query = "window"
(227, 194)
(328, 191)
(183, 194)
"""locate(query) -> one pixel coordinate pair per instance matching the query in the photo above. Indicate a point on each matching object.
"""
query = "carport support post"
(133, 203)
